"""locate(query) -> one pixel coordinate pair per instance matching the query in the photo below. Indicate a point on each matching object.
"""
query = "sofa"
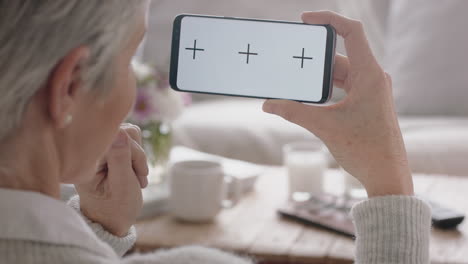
(418, 42)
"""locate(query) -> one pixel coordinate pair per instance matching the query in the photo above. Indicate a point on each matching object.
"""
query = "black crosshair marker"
(303, 57)
(248, 53)
(195, 49)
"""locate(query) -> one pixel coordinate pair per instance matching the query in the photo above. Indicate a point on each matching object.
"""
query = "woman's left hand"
(113, 198)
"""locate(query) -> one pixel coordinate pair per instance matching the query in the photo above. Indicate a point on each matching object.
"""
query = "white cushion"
(436, 145)
(427, 56)
(239, 129)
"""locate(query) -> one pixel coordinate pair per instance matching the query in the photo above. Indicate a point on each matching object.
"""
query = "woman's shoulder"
(33, 252)
(43, 220)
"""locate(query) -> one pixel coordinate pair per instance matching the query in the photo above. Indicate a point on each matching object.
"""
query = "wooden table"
(254, 228)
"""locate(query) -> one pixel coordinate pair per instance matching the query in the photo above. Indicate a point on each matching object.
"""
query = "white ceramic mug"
(199, 190)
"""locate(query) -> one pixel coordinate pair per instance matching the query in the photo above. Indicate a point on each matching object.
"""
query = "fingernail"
(121, 140)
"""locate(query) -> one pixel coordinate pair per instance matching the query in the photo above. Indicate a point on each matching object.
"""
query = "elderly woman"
(66, 85)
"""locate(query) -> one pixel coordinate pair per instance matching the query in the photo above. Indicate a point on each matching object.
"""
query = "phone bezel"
(327, 88)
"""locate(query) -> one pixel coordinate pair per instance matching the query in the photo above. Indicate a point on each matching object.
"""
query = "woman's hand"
(361, 131)
(113, 198)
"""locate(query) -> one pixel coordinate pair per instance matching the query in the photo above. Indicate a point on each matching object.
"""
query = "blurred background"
(421, 43)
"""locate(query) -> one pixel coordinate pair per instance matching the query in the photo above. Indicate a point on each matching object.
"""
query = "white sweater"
(37, 229)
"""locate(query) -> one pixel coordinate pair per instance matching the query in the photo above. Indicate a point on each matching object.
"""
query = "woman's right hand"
(361, 131)
(113, 197)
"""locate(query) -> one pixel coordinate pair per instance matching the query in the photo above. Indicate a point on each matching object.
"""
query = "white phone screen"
(252, 58)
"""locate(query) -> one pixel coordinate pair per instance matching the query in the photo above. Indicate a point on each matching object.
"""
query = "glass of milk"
(306, 163)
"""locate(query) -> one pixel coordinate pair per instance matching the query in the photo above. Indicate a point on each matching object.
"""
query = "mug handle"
(230, 200)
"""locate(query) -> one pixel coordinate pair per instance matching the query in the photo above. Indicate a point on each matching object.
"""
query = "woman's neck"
(30, 163)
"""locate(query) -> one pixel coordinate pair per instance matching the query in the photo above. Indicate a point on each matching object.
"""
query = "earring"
(68, 120)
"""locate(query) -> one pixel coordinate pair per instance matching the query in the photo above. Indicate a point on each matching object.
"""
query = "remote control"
(332, 213)
(443, 217)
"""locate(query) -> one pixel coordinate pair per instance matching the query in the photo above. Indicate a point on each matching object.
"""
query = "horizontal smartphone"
(252, 58)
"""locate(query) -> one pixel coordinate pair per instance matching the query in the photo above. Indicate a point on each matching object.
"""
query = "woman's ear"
(65, 86)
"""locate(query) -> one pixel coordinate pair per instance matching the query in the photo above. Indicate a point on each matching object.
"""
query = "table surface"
(253, 227)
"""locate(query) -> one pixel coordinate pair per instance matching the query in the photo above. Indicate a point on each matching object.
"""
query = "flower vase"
(157, 138)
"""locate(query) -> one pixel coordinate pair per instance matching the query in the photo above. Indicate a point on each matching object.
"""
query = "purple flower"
(144, 109)
(155, 100)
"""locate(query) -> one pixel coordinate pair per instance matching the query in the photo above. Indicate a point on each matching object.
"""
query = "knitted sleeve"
(392, 229)
(120, 244)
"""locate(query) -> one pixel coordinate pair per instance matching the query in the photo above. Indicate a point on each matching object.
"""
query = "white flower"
(156, 102)
(170, 104)
(142, 71)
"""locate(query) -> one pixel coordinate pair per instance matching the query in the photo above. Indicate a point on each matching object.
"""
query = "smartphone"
(252, 58)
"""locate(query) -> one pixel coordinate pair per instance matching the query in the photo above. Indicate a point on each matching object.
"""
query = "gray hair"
(36, 34)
